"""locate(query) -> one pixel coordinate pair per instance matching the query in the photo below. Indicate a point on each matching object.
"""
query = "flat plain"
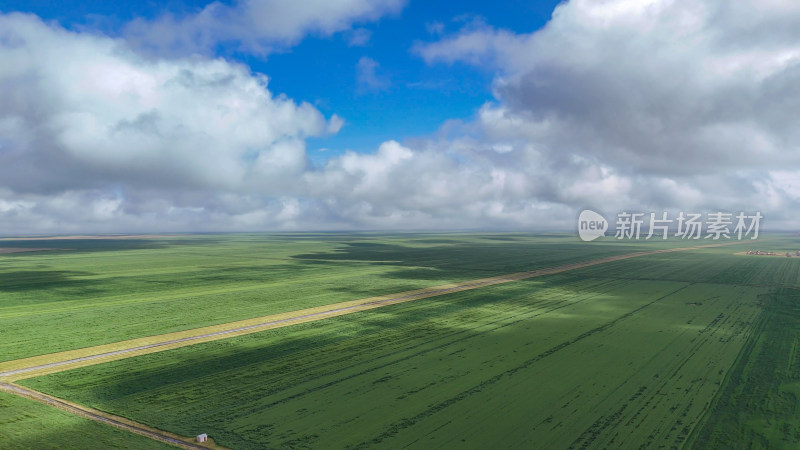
(689, 349)
(91, 292)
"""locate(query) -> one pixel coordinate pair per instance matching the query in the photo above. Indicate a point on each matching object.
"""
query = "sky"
(267, 115)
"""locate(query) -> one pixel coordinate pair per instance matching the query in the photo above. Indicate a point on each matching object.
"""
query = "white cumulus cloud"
(84, 110)
(616, 105)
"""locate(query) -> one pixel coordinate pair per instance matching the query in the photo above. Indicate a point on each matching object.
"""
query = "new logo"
(591, 225)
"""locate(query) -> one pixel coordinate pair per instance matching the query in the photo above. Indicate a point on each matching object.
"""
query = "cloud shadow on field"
(34, 280)
(98, 245)
(467, 259)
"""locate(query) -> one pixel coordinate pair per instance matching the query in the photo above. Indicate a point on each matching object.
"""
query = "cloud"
(659, 93)
(367, 77)
(434, 28)
(80, 111)
(476, 43)
(256, 26)
(614, 105)
(358, 37)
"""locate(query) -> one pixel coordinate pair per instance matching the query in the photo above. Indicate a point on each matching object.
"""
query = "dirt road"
(99, 416)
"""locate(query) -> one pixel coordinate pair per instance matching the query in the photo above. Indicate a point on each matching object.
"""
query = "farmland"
(759, 406)
(664, 349)
(94, 292)
(632, 352)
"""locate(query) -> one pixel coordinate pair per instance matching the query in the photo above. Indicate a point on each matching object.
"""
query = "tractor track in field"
(310, 314)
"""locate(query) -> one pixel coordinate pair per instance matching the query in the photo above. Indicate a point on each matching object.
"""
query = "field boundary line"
(108, 419)
(70, 359)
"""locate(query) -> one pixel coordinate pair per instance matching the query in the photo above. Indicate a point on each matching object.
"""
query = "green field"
(759, 406)
(25, 424)
(693, 348)
(100, 291)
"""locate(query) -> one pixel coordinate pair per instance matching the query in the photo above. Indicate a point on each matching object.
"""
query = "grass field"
(628, 353)
(695, 349)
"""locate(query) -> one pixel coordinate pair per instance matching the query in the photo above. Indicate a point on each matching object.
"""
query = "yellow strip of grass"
(289, 318)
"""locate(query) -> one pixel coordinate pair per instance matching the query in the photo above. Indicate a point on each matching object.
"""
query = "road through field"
(57, 362)
(11, 371)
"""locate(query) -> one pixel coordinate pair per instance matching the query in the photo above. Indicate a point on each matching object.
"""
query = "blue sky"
(260, 115)
(417, 98)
